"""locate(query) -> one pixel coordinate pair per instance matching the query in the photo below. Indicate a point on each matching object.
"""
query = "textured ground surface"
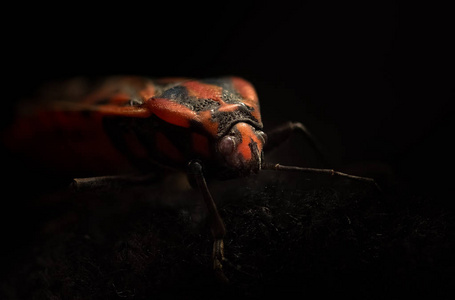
(288, 234)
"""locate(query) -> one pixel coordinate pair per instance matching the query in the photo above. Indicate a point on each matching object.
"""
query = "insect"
(209, 128)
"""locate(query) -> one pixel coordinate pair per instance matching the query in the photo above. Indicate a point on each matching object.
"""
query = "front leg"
(280, 134)
(196, 178)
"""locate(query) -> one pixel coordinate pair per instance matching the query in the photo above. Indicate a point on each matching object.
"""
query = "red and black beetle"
(208, 128)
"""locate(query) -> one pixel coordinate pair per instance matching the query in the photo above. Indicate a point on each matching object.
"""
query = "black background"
(373, 81)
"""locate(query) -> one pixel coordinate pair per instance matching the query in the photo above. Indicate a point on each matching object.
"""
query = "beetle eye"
(226, 145)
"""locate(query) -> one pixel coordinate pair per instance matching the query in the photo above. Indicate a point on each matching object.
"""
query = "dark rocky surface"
(288, 235)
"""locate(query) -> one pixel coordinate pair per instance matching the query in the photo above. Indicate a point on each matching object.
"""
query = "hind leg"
(102, 183)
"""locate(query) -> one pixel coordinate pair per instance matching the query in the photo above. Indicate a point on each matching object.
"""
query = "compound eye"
(227, 145)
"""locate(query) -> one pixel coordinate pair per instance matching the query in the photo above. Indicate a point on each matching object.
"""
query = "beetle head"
(241, 150)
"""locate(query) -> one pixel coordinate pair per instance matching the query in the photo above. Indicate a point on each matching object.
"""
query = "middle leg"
(217, 227)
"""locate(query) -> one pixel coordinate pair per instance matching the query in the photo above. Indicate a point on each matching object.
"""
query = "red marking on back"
(248, 94)
(148, 92)
(120, 98)
(210, 126)
(245, 89)
(229, 107)
(204, 91)
(125, 111)
(172, 112)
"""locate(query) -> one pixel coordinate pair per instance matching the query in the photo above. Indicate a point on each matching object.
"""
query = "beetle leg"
(110, 182)
(278, 167)
(280, 134)
(217, 227)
